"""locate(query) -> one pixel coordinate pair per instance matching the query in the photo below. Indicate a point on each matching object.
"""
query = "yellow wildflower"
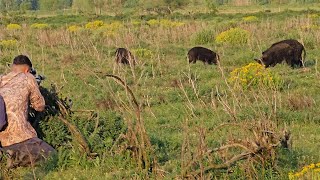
(313, 16)
(74, 28)
(252, 74)
(8, 44)
(14, 27)
(153, 22)
(136, 23)
(291, 176)
(311, 168)
(250, 19)
(39, 26)
(94, 24)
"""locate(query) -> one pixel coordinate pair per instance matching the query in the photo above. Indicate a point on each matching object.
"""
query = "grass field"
(187, 109)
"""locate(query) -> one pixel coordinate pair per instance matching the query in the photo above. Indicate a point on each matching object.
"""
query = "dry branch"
(225, 165)
(259, 149)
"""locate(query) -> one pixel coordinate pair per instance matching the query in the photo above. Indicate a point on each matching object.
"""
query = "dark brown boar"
(203, 54)
(124, 56)
(289, 50)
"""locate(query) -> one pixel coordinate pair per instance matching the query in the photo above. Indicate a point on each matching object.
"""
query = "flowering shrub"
(250, 19)
(109, 30)
(164, 23)
(136, 23)
(94, 25)
(39, 26)
(8, 44)
(153, 22)
(310, 27)
(233, 36)
(74, 28)
(313, 16)
(311, 171)
(170, 24)
(253, 75)
(143, 53)
(114, 26)
(14, 27)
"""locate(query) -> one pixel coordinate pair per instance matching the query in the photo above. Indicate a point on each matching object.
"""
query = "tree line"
(100, 6)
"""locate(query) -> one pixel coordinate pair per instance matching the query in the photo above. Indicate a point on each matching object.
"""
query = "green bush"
(203, 37)
(99, 131)
(143, 53)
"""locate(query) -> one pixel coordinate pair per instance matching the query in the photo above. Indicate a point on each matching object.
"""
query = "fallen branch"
(225, 165)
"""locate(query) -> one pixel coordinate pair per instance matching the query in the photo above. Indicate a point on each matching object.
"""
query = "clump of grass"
(299, 102)
(253, 75)
(143, 53)
(203, 37)
(233, 36)
(14, 27)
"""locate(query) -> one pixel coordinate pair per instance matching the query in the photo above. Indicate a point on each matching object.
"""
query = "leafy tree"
(175, 4)
(34, 4)
(163, 6)
(86, 6)
(28, 4)
(8, 5)
(54, 4)
(99, 5)
(115, 6)
(211, 5)
(25, 5)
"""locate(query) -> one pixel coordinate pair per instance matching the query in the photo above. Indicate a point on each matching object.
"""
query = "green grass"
(71, 62)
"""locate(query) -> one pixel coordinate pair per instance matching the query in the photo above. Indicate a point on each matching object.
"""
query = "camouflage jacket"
(17, 90)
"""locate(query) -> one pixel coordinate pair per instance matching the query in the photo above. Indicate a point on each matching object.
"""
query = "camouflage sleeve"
(36, 98)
